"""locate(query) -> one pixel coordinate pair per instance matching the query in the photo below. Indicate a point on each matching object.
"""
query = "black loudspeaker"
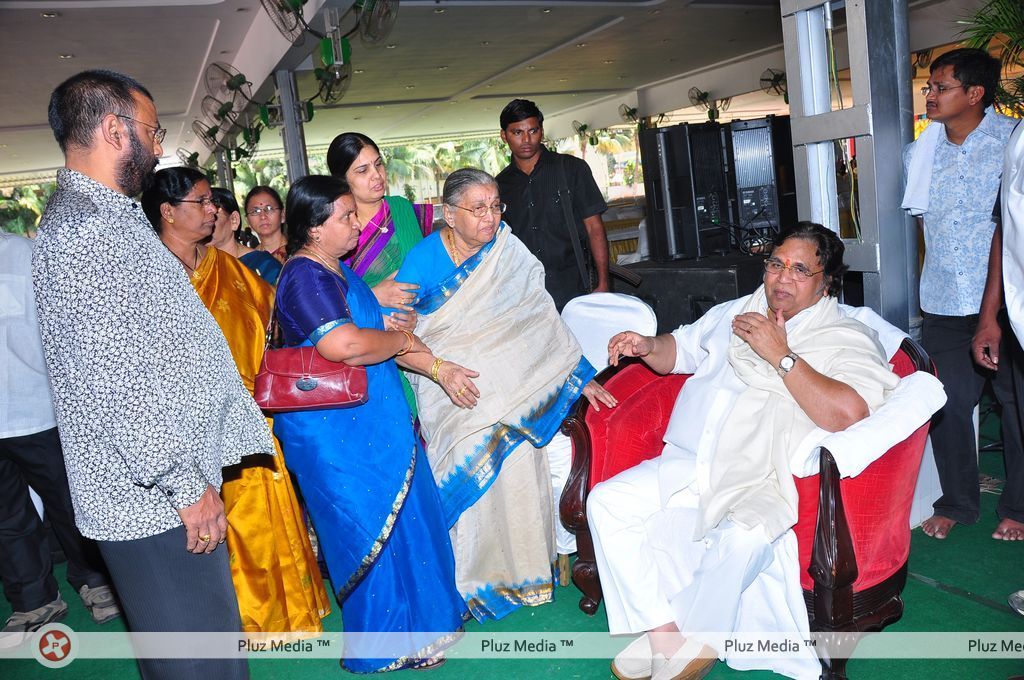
(687, 179)
(711, 167)
(681, 292)
(672, 230)
(762, 155)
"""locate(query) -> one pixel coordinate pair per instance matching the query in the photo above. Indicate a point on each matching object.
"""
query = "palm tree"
(250, 172)
(488, 154)
(405, 164)
(1001, 22)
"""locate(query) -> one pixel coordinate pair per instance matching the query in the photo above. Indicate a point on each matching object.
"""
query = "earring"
(170, 220)
(316, 239)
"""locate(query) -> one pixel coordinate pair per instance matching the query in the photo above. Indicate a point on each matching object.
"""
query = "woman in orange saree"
(274, 571)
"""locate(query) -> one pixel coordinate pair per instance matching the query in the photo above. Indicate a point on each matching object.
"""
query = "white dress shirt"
(26, 405)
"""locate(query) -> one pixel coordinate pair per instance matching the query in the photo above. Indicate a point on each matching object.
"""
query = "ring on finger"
(459, 393)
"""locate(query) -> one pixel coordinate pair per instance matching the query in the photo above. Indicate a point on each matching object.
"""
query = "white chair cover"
(593, 319)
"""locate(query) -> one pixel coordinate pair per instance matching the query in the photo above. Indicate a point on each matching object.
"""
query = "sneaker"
(21, 625)
(100, 602)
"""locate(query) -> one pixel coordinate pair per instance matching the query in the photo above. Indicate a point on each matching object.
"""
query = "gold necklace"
(184, 264)
(336, 269)
(454, 250)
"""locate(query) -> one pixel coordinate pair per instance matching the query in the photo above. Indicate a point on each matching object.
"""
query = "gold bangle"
(409, 343)
(435, 368)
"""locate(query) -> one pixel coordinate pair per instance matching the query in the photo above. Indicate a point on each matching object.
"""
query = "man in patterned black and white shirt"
(149, 404)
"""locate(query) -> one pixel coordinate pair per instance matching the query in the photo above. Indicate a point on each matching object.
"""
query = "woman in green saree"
(392, 225)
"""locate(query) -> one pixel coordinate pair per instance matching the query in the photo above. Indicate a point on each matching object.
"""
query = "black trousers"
(25, 564)
(947, 339)
(165, 588)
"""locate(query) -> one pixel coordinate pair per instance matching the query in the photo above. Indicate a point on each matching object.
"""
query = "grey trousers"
(164, 588)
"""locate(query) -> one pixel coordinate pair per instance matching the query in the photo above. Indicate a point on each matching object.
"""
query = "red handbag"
(300, 379)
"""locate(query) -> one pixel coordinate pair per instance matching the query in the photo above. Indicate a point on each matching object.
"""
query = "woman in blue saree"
(483, 304)
(362, 472)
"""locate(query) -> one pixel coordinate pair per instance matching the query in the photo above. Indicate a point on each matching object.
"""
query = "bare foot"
(1009, 530)
(937, 526)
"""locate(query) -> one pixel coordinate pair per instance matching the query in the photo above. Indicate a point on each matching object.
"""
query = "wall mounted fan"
(189, 160)
(773, 82)
(703, 100)
(287, 16)
(334, 76)
(376, 19)
(584, 132)
(207, 134)
(221, 114)
(226, 84)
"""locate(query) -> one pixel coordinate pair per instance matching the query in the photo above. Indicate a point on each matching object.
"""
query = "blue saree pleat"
(368, 489)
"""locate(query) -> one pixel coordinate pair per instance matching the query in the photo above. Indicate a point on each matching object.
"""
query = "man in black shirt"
(530, 187)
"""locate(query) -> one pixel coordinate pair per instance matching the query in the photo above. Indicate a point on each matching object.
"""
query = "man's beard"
(135, 174)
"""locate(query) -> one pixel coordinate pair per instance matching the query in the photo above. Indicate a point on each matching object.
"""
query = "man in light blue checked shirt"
(953, 173)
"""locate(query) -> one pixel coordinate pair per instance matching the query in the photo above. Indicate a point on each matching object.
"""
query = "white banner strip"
(58, 644)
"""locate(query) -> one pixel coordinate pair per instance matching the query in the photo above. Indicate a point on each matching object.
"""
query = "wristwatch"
(786, 364)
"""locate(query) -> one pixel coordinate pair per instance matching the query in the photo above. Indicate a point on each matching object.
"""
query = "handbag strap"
(570, 223)
(273, 328)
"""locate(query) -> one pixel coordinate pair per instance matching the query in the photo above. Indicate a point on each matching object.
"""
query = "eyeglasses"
(798, 271)
(158, 132)
(939, 89)
(203, 201)
(482, 210)
(267, 210)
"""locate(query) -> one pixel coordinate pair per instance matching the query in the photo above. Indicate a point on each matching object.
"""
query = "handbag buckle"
(306, 383)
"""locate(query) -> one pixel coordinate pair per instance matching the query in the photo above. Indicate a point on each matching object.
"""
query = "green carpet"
(959, 584)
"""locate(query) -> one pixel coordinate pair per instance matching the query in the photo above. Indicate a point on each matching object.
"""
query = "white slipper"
(692, 662)
(634, 662)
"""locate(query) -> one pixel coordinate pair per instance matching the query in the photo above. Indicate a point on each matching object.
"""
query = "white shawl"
(750, 478)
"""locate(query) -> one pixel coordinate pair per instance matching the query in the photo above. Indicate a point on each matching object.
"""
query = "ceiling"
(446, 70)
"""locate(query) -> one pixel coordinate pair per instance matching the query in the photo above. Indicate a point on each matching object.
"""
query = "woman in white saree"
(482, 305)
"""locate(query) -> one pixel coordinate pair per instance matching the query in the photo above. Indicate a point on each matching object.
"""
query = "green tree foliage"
(415, 166)
(21, 207)
(1000, 23)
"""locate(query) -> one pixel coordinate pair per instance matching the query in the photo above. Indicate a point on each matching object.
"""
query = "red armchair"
(853, 534)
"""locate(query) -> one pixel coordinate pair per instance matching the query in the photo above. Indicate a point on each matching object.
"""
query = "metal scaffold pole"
(880, 123)
(292, 134)
(225, 178)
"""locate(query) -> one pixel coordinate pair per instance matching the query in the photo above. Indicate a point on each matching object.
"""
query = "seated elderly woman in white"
(700, 540)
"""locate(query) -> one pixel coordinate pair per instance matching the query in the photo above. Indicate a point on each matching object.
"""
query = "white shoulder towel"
(919, 174)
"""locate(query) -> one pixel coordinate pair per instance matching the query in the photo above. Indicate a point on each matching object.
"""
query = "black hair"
(170, 185)
(828, 247)
(972, 66)
(264, 189)
(310, 203)
(222, 198)
(517, 110)
(78, 105)
(344, 149)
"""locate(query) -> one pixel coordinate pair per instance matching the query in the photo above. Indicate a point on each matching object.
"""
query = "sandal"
(430, 663)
